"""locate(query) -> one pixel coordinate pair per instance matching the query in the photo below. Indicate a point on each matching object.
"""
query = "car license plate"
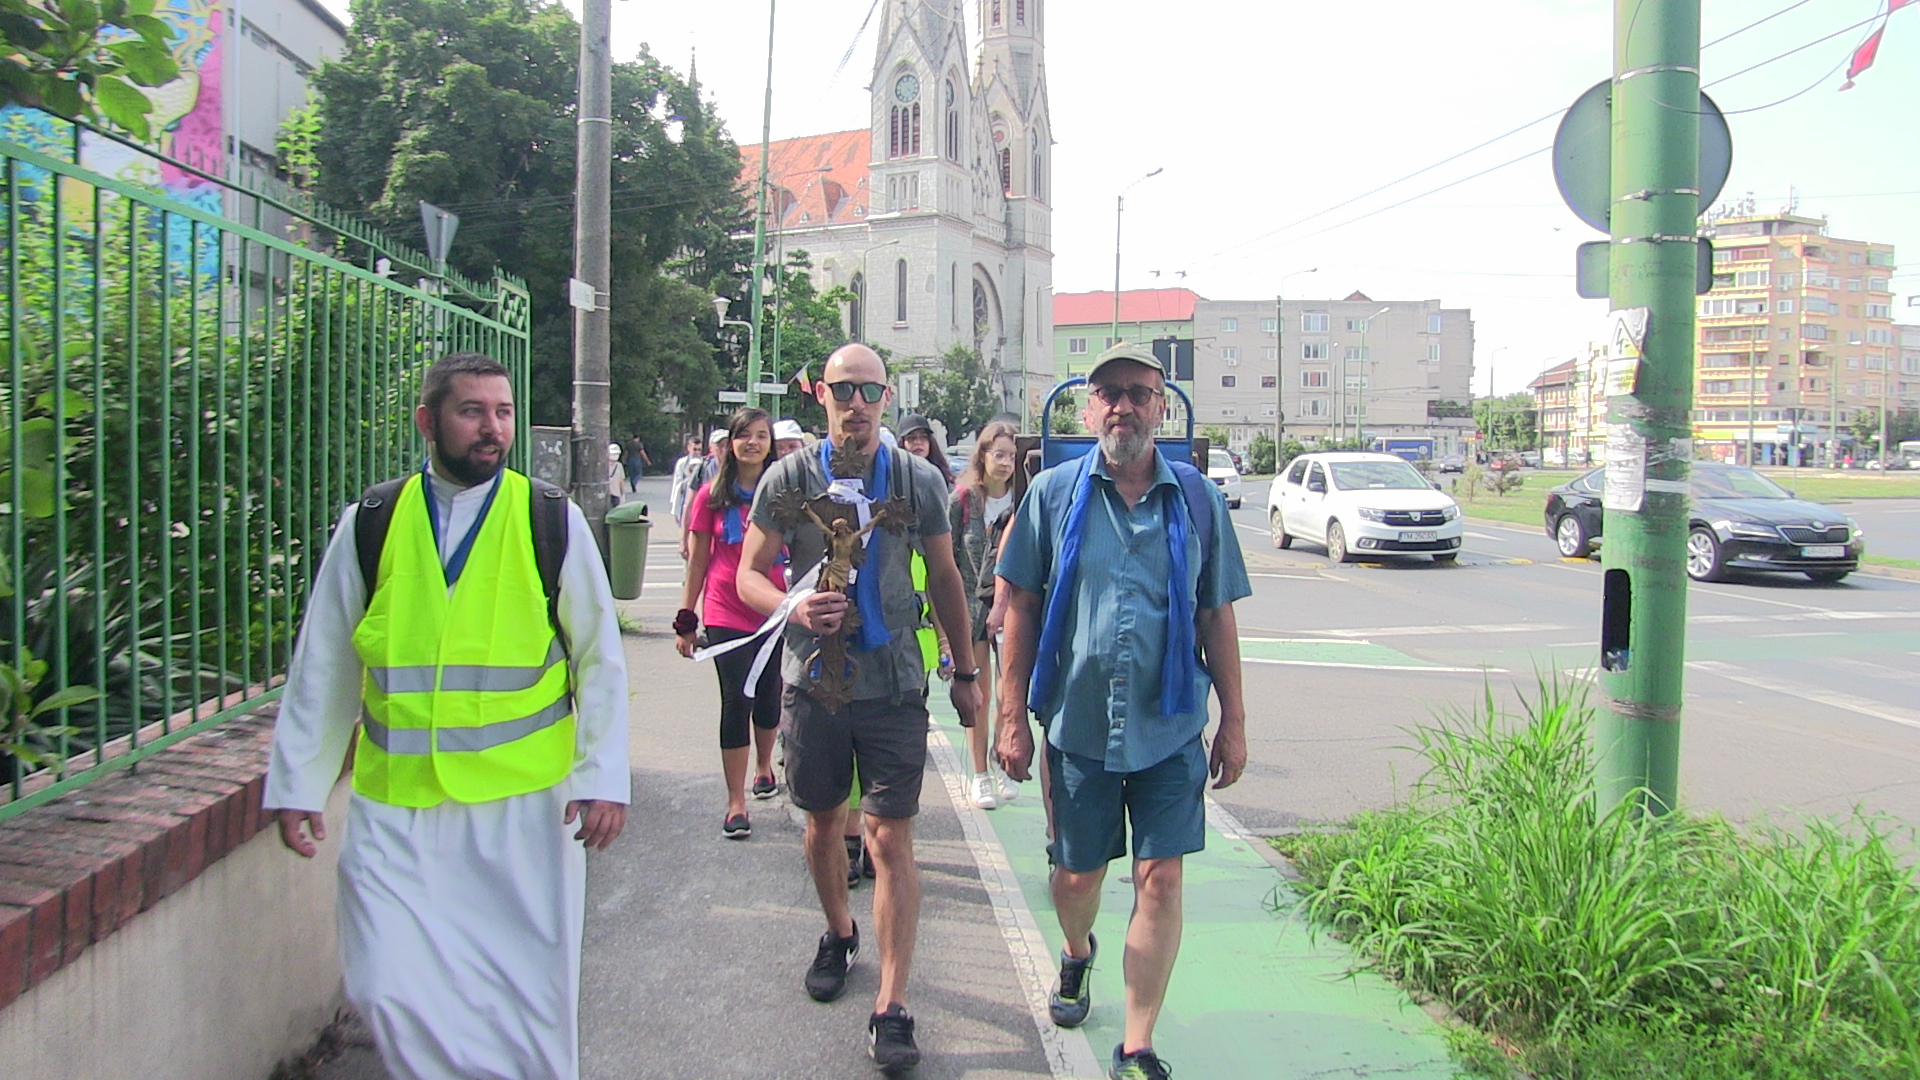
(1824, 551)
(1418, 537)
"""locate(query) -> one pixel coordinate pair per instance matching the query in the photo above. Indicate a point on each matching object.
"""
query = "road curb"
(1900, 572)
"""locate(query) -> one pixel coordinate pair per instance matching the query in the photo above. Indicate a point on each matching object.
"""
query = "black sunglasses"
(870, 392)
(1138, 394)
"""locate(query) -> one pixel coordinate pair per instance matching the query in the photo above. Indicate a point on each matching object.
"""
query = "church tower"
(1012, 88)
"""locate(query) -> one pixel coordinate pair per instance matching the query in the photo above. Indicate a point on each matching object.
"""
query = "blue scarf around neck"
(873, 631)
(733, 527)
(1178, 665)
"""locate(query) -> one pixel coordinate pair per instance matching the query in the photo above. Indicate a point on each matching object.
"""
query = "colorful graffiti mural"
(188, 115)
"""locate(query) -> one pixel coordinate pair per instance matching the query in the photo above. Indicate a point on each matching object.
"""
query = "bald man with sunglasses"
(883, 729)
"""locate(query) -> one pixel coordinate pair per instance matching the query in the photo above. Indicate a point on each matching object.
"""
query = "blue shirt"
(1106, 705)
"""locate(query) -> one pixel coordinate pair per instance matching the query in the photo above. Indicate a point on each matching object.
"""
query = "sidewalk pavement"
(696, 946)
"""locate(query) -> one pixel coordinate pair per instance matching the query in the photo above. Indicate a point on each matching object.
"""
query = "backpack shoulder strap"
(370, 526)
(1198, 492)
(550, 545)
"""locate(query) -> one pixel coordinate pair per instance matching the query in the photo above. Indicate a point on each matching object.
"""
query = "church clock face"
(906, 88)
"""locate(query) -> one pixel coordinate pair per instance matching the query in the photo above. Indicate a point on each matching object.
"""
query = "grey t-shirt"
(894, 669)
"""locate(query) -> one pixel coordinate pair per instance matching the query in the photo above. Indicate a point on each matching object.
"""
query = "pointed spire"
(693, 68)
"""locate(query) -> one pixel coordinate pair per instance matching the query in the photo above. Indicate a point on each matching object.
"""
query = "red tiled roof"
(1547, 378)
(813, 180)
(1136, 305)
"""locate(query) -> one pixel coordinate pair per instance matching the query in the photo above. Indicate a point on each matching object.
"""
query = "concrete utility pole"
(592, 263)
(1655, 207)
(760, 227)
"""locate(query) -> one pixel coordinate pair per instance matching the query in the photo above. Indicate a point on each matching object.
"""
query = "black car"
(1740, 520)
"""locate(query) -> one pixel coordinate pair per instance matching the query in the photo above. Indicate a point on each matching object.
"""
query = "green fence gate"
(188, 403)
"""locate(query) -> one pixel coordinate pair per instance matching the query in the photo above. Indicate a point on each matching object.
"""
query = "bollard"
(627, 528)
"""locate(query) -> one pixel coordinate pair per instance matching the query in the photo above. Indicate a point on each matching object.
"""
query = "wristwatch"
(967, 676)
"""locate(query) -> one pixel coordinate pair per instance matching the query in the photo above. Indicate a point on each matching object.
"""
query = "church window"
(994, 8)
(1036, 179)
(953, 124)
(857, 309)
(903, 131)
(981, 321)
(1020, 12)
(1006, 170)
(900, 293)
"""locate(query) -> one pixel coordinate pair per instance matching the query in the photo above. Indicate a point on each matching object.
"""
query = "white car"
(1221, 470)
(1363, 504)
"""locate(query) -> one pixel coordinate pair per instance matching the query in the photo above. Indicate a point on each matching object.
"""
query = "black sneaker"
(1074, 996)
(1142, 1064)
(736, 827)
(827, 978)
(764, 787)
(892, 1045)
(854, 850)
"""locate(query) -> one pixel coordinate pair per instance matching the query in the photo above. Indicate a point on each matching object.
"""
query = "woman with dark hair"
(716, 528)
(916, 438)
(981, 506)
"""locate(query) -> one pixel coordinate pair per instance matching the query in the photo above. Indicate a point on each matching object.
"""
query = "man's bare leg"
(827, 861)
(1076, 898)
(896, 903)
(1153, 943)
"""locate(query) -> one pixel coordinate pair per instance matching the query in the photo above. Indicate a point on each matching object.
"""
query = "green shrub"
(1607, 944)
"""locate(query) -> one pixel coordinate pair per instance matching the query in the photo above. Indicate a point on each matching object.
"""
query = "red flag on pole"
(806, 384)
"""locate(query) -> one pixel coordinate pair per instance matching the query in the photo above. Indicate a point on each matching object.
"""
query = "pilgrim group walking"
(462, 655)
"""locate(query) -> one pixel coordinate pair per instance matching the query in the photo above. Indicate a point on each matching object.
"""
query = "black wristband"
(686, 622)
(966, 676)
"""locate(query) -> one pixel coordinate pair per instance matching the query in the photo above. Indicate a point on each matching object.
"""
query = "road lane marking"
(1307, 576)
(1420, 670)
(1252, 528)
(1800, 634)
(1485, 536)
(1069, 1054)
(1832, 698)
(1416, 631)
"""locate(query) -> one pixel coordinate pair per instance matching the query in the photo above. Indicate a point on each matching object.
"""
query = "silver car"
(1225, 476)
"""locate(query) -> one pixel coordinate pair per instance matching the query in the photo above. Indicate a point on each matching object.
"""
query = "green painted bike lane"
(1255, 994)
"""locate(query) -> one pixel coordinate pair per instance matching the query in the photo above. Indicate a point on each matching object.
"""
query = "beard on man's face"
(1125, 440)
(472, 465)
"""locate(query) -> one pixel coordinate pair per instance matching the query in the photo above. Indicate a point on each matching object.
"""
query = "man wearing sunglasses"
(1122, 570)
(883, 729)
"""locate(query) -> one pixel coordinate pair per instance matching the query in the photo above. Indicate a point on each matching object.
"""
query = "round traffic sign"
(1583, 155)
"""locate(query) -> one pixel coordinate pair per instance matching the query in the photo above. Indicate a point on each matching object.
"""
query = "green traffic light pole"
(1654, 210)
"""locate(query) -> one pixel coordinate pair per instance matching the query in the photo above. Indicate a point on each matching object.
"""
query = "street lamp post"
(1120, 204)
(1280, 362)
(1366, 365)
(760, 224)
(720, 306)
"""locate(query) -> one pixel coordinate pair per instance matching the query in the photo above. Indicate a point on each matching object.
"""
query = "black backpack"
(549, 537)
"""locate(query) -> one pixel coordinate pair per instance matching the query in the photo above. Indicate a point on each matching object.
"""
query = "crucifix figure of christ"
(834, 669)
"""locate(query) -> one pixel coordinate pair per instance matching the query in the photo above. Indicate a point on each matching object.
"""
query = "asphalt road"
(1892, 525)
(1800, 697)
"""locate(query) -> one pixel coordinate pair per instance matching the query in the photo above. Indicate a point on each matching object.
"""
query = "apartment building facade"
(1334, 370)
(1795, 338)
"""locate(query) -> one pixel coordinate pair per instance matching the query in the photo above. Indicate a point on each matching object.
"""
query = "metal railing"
(188, 402)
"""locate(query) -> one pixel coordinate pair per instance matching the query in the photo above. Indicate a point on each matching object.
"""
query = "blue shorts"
(1092, 808)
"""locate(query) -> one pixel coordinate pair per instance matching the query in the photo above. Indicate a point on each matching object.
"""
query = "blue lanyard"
(458, 562)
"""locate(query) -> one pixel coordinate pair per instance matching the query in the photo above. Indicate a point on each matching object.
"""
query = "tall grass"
(1597, 943)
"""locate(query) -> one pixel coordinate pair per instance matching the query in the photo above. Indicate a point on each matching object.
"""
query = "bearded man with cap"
(1122, 569)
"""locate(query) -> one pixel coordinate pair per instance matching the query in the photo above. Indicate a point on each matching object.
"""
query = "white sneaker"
(983, 796)
(1009, 790)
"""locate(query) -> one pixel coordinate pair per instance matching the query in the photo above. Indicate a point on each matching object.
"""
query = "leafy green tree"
(1510, 423)
(1902, 424)
(469, 104)
(959, 392)
(810, 329)
(1260, 454)
(1216, 435)
(83, 59)
(1066, 418)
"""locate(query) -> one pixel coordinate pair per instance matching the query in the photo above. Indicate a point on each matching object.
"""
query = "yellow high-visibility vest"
(467, 693)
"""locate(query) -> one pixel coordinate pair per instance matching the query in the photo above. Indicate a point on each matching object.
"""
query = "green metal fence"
(188, 403)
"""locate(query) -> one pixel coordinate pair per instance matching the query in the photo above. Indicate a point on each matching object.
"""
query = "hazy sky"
(1263, 112)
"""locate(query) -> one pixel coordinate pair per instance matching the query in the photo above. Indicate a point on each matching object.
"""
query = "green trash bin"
(627, 528)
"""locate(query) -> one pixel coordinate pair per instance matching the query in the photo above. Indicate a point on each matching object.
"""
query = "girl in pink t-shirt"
(716, 525)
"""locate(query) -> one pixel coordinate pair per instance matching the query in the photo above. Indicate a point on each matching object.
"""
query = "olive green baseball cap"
(1139, 354)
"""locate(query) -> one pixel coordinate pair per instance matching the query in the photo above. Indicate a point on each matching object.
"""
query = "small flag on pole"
(1869, 49)
(806, 384)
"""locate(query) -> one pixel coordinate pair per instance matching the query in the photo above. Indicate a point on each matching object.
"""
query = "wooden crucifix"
(833, 670)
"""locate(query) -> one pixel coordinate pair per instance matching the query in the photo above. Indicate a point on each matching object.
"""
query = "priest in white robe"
(460, 922)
